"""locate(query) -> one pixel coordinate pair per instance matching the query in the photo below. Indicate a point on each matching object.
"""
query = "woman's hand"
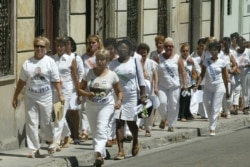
(156, 90)
(118, 104)
(90, 95)
(61, 98)
(79, 100)
(14, 103)
(144, 99)
(195, 88)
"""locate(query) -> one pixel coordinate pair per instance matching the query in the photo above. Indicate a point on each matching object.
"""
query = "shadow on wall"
(21, 137)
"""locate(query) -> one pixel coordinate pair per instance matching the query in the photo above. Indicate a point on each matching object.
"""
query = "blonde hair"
(184, 45)
(210, 40)
(95, 38)
(103, 53)
(44, 39)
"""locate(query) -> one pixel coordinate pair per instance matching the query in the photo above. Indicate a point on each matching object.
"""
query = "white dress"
(128, 73)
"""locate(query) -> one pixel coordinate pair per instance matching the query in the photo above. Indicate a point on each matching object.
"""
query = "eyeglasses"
(168, 46)
(39, 46)
(185, 50)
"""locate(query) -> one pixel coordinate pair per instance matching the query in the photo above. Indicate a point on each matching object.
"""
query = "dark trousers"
(184, 110)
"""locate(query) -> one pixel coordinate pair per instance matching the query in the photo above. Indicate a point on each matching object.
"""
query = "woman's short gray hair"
(169, 40)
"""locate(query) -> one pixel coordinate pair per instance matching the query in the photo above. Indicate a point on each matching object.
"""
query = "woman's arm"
(58, 88)
(119, 95)
(82, 92)
(74, 74)
(233, 65)
(182, 73)
(200, 78)
(225, 80)
(155, 81)
(19, 87)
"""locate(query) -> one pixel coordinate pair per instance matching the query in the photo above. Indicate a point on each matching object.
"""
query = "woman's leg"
(31, 124)
(134, 130)
(120, 134)
(173, 106)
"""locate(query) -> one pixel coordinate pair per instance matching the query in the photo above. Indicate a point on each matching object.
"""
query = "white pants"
(245, 84)
(112, 127)
(84, 122)
(226, 103)
(235, 90)
(62, 129)
(213, 102)
(38, 112)
(99, 117)
(169, 105)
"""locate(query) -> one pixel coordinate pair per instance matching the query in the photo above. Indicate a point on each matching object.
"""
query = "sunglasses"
(168, 46)
(39, 46)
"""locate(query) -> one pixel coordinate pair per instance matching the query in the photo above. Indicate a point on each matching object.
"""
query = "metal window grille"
(162, 17)
(5, 57)
(38, 18)
(229, 7)
(132, 19)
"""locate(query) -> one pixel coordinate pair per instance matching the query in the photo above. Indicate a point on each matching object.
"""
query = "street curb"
(163, 138)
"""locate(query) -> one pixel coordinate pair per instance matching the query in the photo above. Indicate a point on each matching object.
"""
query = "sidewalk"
(84, 153)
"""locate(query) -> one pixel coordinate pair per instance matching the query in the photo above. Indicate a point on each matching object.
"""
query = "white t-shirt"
(64, 64)
(79, 64)
(188, 67)
(101, 86)
(38, 75)
(168, 72)
(150, 66)
(243, 59)
(89, 62)
(213, 74)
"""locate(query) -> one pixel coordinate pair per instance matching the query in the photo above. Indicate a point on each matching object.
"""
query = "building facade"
(22, 20)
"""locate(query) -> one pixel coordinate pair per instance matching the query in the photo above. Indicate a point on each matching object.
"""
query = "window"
(229, 7)
(5, 56)
(162, 17)
(132, 19)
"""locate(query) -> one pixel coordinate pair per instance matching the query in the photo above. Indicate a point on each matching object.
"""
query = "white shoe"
(212, 133)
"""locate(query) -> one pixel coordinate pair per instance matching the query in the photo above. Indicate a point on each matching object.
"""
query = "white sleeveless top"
(168, 72)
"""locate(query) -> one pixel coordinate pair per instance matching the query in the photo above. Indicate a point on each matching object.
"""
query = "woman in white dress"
(73, 114)
(98, 87)
(171, 69)
(38, 74)
(215, 72)
(151, 79)
(195, 107)
(129, 71)
(232, 69)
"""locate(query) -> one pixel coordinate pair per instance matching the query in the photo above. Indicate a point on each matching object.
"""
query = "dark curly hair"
(215, 45)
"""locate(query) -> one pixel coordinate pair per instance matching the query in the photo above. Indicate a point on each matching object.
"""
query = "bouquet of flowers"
(144, 110)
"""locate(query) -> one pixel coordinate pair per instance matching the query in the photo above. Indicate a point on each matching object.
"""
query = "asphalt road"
(229, 149)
